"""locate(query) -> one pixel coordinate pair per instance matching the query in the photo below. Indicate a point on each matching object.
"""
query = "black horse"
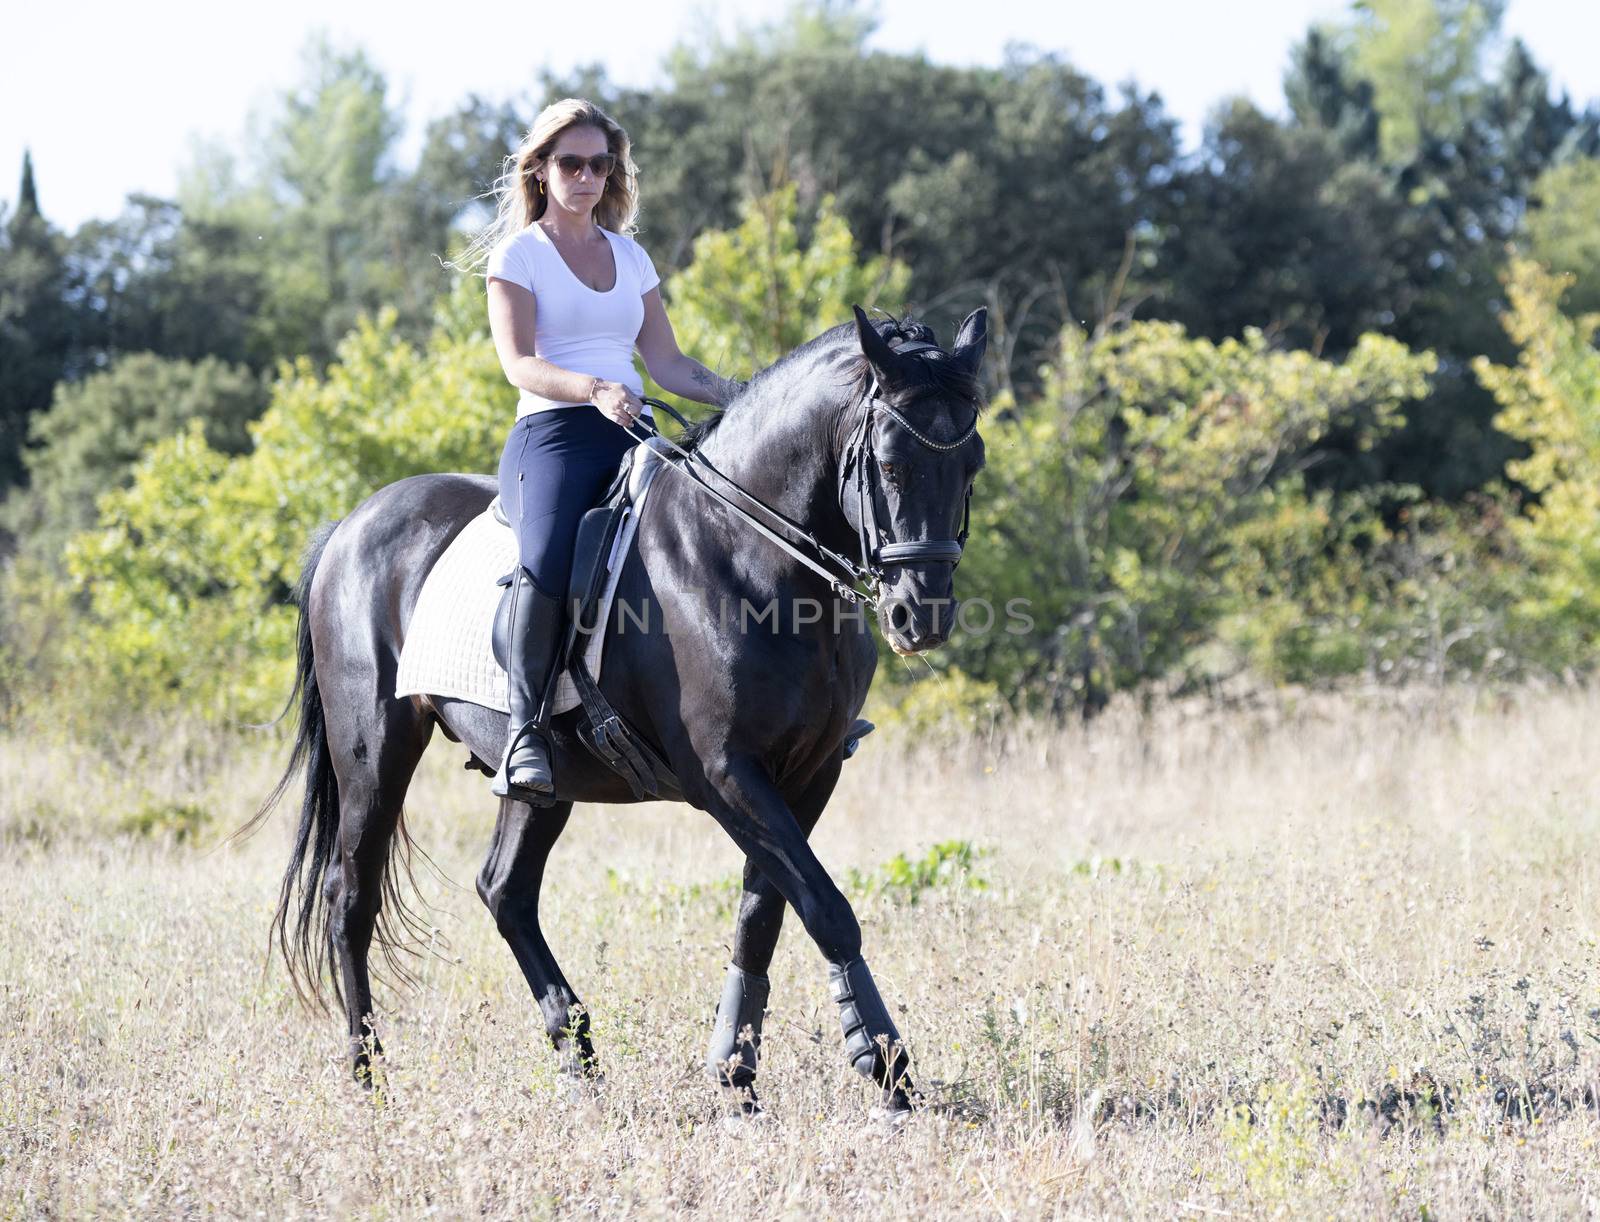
(866, 446)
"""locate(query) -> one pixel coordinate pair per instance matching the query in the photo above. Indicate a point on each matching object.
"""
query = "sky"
(110, 96)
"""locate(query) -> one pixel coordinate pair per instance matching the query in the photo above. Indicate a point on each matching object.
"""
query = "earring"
(541, 186)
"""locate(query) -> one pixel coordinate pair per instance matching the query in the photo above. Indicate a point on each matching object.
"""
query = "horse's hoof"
(578, 1090)
(367, 1069)
(739, 1098)
(886, 1122)
(890, 1116)
(372, 1083)
(746, 1117)
(755, 1123)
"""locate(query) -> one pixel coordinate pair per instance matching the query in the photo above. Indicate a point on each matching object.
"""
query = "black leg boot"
(533, 637)
(736, 1037)
(871, 1040)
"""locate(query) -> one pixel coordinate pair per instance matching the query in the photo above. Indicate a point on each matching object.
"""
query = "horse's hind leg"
(374, 764)
(509, 886)
(736, 1033)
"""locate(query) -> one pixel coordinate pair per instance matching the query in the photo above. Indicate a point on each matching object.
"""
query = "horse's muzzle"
(912, 627)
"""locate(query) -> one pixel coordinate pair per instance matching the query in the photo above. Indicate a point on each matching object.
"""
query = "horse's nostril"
(900, 617)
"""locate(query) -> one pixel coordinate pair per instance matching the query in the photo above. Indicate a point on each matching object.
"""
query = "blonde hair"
(518, 200)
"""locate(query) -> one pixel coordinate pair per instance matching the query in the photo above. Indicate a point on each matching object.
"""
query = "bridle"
(857, 463)
(860, 462)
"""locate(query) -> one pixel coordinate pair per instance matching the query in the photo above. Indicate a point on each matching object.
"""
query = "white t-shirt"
(574, 326)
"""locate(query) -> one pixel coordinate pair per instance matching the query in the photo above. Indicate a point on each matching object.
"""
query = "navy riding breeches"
(554, 468)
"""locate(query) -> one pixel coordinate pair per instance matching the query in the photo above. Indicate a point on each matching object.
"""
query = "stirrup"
(528, 741)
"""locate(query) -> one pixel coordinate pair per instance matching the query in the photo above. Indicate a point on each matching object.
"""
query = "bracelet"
(594, 390)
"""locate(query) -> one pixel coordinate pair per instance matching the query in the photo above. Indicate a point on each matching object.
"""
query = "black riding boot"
(533, 637)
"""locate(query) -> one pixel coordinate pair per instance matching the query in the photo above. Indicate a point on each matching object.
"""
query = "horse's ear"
(972, 338)
(887, 363)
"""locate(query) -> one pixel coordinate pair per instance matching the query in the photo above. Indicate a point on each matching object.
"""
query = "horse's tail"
(304, 947)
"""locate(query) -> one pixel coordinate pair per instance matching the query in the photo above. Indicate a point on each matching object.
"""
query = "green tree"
(1460, 176)
(326, 174)
(1426, 61)
(27, 190)
(1562, 232)
(1121, 503)
(1324, 93)
(86, 444)
(1051, 208)
(1280, 228)
(38, 322)
(338, 228)
(1469, 188)
(175, 285)
(187, 572)
(755, 292)
(1550, 400)
(460, 160)
(909, 152)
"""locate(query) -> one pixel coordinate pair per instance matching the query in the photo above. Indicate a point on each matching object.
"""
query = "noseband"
(859, 464)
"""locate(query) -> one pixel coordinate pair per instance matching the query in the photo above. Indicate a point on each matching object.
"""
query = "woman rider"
(571, 296)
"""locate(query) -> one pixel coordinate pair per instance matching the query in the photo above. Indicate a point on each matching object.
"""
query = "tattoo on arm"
(719, 390)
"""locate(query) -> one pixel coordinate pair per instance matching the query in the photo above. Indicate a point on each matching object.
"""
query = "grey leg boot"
(533, 637)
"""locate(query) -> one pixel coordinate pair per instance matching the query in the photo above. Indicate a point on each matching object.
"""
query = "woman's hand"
(617, 402)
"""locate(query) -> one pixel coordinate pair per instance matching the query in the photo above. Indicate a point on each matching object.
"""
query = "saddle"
(444, 656)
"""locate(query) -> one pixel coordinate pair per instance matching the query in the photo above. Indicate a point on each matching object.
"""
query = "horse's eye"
(891, 474)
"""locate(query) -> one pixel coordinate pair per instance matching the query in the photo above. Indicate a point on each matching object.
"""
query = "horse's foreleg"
(509, 886)
(743, 799)
(736, 1034)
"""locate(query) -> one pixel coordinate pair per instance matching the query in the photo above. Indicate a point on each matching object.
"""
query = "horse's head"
(907, 471)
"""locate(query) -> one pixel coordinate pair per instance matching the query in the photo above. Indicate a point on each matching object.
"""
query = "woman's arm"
(672, 370)
(511, 318)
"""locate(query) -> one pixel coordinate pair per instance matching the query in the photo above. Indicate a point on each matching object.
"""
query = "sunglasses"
(599, 165)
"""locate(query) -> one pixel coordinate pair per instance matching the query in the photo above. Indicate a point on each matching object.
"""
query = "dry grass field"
(1322, 957)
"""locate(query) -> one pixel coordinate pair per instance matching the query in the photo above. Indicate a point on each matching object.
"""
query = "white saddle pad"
(447, 650)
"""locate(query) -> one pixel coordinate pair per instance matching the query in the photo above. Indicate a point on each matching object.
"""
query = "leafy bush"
(754, 293)
(1150, 493)
(180, 821)
(96, 429)
(1562, 234)
(902, 879)
(1148, 514)
(1278, 1142)
(188, 572)
(947, 701)
(1551, 401)
(1379, 583)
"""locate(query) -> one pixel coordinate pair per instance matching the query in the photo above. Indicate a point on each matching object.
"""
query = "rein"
(843, 587)
(860, 459)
